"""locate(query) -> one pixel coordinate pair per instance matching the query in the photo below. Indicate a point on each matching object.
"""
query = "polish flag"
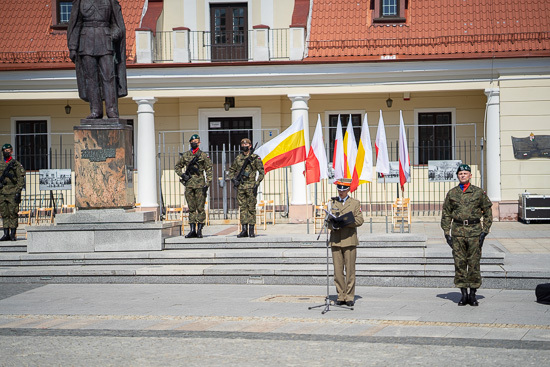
(350, 147)
(316, 161)
(382, 160)
(404, 162)
(338, 158)
(363, 163)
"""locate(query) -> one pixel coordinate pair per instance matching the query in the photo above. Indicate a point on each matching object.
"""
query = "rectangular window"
(435, 137)
(333, 122)
(65, 11)
(389, 11)
(229, 32)
(31, 144)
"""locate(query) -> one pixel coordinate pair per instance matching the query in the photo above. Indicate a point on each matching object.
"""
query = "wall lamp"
(68, 108)
(389, 102)
(229, 103)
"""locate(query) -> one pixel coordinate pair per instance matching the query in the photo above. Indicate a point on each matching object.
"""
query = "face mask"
(245, 148)
(194, 146)
(6, 154)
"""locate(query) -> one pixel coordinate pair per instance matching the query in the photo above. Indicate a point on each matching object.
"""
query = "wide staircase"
(382, 260)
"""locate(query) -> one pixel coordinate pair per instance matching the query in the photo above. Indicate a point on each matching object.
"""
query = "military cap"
(343, 184)
(246, 141)
(194, 136)
(463, 167)
(6, 146)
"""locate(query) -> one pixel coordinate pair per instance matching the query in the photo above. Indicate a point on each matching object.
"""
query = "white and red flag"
(404, 162)
(382, 160)
(338, 158)
(363, 163)
(316, 161)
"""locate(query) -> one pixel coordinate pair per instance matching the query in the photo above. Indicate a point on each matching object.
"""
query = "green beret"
(194, 136)
(463, 167)
(6, 146)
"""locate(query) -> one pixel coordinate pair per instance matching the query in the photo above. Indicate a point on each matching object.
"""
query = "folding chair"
(175, 215)
(44, 215)
(401, 215)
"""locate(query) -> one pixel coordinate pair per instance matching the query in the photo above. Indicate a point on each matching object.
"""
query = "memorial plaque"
(533, 146)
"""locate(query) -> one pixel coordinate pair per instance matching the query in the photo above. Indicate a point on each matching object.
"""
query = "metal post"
(482, 163)
(224, 186)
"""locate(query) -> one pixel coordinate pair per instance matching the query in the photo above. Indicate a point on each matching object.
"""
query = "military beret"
(194, 136)
(6, 146)
(463, 167)
(246, 140)
(343, 184)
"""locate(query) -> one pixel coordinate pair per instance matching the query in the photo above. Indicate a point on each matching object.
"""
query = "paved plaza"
(250, 324)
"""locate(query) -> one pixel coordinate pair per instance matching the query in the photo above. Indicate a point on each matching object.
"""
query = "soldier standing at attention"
(464, 206)
(343, 241)
(192, 167)
(243, 175)
(12, 181)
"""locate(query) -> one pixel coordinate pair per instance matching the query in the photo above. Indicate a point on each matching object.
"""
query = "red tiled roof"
(444, 28)
(27, 36)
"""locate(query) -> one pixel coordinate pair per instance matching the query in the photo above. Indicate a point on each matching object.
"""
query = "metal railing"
(224, 47)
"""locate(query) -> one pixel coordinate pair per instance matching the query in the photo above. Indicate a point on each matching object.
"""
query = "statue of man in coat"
(96, 37)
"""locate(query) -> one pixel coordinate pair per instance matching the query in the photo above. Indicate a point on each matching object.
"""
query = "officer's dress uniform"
(344, 242)
(246, 198)
(12, 186)
(194, 188)
(465, 209)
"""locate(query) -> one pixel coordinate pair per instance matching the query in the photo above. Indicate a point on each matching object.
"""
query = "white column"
(493, 144)
(300, 108)
(146, 154)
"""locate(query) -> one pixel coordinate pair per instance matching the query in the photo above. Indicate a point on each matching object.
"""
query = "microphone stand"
(327, 303)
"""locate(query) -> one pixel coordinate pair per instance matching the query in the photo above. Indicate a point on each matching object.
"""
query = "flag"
(404, 162)
(286, 149)
(316, 162)
(382, 160)
(364, 154)
(350, 153)
(338, 157)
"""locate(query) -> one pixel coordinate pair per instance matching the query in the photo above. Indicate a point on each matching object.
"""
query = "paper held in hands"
(341, 221)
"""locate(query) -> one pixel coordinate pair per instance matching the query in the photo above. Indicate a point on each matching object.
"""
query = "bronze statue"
(96, 37)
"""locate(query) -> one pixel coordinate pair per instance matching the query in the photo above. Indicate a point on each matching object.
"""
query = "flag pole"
(385, 197)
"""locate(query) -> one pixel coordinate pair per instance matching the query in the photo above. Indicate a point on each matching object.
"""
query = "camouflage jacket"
(460, 206)
(204, 165)
(249, 175)
(16, 182)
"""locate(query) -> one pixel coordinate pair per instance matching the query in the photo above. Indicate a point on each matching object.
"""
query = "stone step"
(13, 246)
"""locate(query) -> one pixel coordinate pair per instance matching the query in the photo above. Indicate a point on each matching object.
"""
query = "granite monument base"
(101, 230)
(103, 164)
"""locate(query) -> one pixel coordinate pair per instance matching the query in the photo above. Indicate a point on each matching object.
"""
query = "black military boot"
(464, 300)
(6, 236)
(12, 234)
(472, 299)
(200, 226)
(192, 233)
(244, 232)
(251, 232)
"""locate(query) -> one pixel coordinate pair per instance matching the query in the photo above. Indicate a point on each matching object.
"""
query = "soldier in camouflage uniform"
(192, 167)
(464, 206)
(12, 183)
(248, 188)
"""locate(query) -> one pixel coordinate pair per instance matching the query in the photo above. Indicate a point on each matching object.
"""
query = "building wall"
(524, 110)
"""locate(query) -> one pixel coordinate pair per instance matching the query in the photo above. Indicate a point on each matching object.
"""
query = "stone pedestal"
(103, 164)
(101, 230)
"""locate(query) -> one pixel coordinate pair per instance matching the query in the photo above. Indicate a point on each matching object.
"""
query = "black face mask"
(194, 146)
(6, 154)
(245, 148)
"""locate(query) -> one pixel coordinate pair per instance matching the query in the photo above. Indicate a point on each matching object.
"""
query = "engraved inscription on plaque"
(98, 155)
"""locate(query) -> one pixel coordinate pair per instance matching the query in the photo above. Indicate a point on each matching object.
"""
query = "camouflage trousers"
(247, 206)
(344, 258)
(9, 209)
(467, 256)
(195, 200)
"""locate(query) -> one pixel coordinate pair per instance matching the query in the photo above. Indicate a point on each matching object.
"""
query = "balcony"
(182, 45)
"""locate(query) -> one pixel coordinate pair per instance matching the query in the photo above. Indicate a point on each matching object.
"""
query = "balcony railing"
(204, 46)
